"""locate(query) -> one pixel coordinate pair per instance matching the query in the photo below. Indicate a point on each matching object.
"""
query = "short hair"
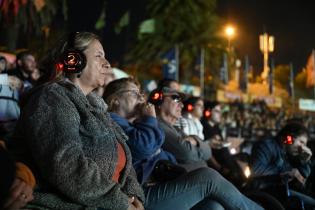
(191, 100)
(22, 55)
(115, 86)
(166, 82)
(292, 128)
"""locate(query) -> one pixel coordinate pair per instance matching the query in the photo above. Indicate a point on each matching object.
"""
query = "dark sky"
(292, 23)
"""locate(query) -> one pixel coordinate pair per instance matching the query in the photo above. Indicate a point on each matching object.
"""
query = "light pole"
(230, 32)
(266, 44)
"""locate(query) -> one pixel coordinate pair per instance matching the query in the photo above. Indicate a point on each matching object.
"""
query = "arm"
(145, 137)
(56, 141)
(262, 160)
(183, 150)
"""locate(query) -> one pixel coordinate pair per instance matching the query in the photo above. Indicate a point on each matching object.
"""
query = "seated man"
(200, 189)
(189, 151)
(286, 156)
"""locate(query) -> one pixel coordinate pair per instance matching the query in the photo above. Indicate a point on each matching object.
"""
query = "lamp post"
(230, 32)
(266, 44)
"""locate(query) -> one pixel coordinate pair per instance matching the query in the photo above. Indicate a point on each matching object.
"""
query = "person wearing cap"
(200, 189)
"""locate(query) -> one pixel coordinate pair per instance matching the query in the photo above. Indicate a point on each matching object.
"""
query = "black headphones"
(73, 60)
(156, 97)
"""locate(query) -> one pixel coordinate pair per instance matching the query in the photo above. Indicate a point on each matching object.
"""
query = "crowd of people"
(74, 137)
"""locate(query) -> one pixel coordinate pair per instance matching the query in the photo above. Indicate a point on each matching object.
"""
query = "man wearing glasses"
(189, 151)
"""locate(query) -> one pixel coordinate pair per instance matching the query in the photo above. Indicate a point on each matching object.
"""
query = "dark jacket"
(185, 153)
(269, 158)
(145, 141)
(71, 142)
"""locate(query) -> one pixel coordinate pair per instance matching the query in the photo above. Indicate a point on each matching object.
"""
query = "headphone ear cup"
(288, 140)
(156, 98)
(190, 107)
(207, 113)
(74, 61)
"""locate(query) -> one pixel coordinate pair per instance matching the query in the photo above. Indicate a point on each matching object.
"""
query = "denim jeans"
(201, 189)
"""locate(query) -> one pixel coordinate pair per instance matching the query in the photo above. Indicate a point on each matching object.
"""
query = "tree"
(300, 82)
(188, 24)
(281, 76)
(25, 19)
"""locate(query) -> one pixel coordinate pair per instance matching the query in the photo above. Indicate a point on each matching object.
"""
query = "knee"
(209, 174)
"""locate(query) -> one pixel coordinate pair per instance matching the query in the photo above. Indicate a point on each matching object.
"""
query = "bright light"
(233, 151)
(247, 171)
(229, 31)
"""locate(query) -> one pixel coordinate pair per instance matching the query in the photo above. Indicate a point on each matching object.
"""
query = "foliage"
(188, 24)
(32, 16)
(281, 75)
(300, 83)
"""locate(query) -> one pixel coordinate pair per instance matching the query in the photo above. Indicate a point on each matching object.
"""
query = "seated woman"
(201, 189)
(78, 154)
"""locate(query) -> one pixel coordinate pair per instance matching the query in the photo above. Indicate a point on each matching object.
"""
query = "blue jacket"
(268, 158)
(145, 141)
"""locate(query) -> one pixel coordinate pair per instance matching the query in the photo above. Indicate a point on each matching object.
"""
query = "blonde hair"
(114, 87)
(75, 41)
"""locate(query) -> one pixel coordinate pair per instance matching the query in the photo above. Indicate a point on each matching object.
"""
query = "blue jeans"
(201, 189)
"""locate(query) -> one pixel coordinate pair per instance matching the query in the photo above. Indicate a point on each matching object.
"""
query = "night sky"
(292, 23)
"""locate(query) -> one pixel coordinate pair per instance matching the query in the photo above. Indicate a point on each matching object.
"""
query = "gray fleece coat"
(70, 142)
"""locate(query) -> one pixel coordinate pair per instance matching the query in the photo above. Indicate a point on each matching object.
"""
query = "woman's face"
(97, 67)
(129, 98)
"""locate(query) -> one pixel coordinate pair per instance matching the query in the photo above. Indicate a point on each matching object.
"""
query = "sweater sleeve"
(55, 133)
(24, 173)
(132, 186)
(145, 136)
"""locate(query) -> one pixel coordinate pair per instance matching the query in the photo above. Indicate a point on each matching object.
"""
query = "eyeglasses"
(135, 93)
(175, 98)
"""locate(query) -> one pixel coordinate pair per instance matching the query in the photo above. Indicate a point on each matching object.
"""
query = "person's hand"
(305, 153)
(138, 204)
(135, 204)
(15, 83)
(20, 195)
(147, 109)
(191, 140)
(293, 174)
